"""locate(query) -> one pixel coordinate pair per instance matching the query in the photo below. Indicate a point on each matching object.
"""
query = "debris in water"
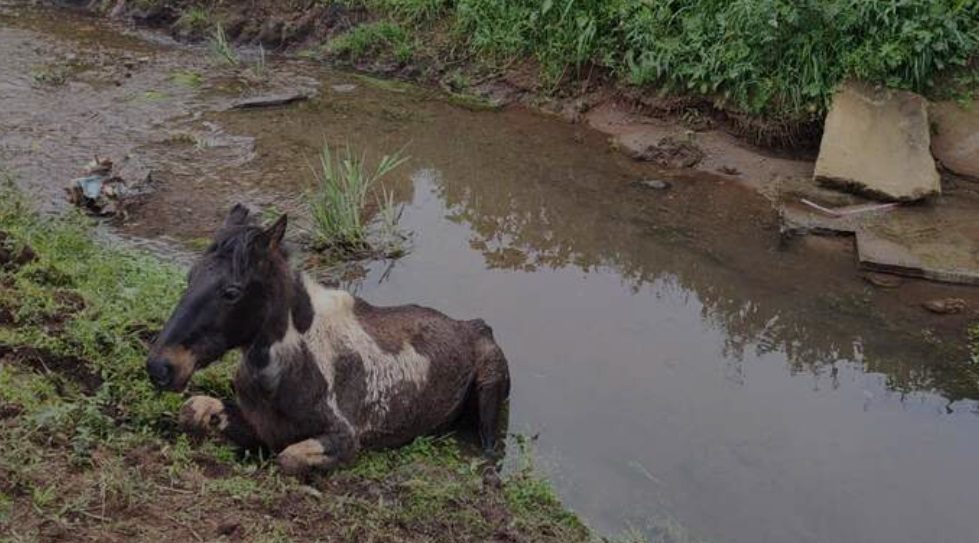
(103, 194)
(946, 306)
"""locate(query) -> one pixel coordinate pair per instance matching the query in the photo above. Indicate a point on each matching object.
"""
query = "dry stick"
(173, 489)
(94, 516)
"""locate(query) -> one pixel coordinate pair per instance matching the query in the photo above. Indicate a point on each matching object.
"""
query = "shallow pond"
(685, 371)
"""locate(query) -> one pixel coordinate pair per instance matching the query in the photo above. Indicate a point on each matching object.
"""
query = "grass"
(88, 450)
(54, 73)
(187, 78)
(343, 189)
(194, 19)
(374, 41)
(778, 60)
(221, 47)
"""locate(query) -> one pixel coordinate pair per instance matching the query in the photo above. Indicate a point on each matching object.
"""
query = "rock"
(228, 527)
(955, 142)
(656, 184)
(271, 33)
(671, 153)
(344, 88)
(882, 281)
(270, 100)
(877, 142)
(946, 306)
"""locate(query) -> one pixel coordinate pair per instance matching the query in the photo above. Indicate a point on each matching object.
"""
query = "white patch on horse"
(335, 326)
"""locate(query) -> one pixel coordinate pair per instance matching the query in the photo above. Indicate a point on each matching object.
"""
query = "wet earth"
(686, 371)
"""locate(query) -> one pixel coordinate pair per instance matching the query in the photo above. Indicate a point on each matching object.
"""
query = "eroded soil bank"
(690, 372)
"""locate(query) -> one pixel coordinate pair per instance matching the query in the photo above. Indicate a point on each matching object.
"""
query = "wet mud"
(690, 371)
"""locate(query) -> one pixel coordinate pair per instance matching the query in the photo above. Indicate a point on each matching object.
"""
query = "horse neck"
(286, 289)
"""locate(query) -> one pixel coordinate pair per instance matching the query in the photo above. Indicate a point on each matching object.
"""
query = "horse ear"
(238, 216)
(276, 232)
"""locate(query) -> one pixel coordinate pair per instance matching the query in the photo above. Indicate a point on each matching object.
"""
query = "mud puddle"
(688, 373)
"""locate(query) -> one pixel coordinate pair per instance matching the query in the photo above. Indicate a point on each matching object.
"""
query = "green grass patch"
(343, 189)
(194, 19)
(380, 40)
(186, 78)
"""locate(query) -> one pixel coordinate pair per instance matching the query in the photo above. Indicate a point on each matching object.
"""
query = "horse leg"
(206, 415)
(323, 452)
(492, 389)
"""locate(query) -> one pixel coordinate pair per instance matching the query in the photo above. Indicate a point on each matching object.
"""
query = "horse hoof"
(201, 413)
(299, 458)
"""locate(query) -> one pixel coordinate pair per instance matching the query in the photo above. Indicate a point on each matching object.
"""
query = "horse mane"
(238, 243)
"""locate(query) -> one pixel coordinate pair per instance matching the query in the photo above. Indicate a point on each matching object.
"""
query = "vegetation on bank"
(772, 60)
(88, 451)
(766, 57)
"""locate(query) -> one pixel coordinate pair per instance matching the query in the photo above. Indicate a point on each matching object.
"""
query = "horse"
(323, 374)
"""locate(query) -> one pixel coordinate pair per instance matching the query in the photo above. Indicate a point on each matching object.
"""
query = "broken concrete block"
(877, 142)
(956, 139)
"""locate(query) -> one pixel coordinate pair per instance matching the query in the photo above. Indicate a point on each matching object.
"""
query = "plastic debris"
(101, 193)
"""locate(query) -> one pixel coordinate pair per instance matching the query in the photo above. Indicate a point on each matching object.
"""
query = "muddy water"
(687, 373)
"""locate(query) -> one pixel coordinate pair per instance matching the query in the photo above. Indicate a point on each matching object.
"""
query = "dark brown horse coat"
(324, 373)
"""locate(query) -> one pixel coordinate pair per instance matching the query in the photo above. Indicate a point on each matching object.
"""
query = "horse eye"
(231, 294)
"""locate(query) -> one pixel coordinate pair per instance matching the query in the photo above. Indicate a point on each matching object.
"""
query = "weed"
(54, 73)
(411, 11)
(221, 47)
(186, 78)
(343, 186)
(260, 67)
(194, 19)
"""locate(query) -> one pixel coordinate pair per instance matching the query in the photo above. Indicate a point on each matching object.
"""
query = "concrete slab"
(938, 242)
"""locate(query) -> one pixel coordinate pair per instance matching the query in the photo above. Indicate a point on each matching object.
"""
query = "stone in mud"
(270, 100)
(956, 139)
(670, 153)
(946, 306)
(344, 88)
(655, 184)
(877, 142)
(881, 280)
